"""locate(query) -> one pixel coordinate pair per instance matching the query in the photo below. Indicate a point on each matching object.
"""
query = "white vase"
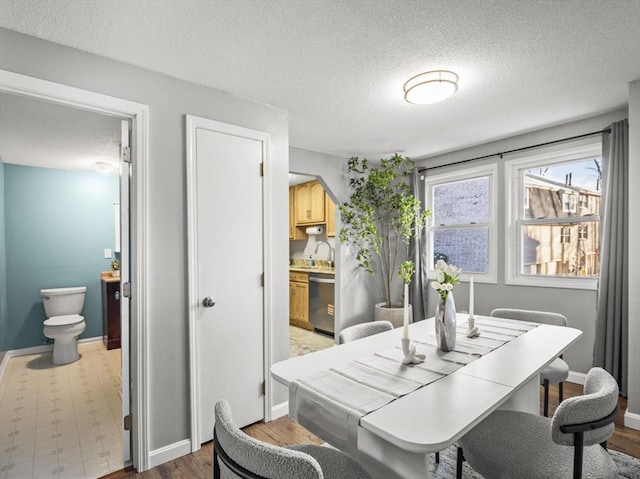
(394, 314)
(446, 323)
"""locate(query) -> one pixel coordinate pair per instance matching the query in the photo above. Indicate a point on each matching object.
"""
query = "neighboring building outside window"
(553, 217)
(462, 227)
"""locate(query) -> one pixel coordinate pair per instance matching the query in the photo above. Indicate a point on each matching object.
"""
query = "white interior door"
(229, 297)
(125, 174)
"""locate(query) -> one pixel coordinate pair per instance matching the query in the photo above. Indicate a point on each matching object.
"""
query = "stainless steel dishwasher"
(321, 300)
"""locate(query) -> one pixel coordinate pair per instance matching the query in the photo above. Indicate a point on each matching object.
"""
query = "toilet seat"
(68, 320)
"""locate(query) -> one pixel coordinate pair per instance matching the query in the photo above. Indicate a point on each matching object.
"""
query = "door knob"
(208, 302)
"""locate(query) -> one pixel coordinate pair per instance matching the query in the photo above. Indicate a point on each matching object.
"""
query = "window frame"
(489, 170)
(514, 192)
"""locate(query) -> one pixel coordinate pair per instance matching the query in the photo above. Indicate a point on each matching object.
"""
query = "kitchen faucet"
(332, 252)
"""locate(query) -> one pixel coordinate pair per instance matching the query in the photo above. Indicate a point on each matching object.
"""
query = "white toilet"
(64, 324)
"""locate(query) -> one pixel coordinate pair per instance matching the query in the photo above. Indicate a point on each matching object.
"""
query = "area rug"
(628, 467)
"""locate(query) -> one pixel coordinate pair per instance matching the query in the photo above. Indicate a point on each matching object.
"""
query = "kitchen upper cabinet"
(309, 203)
(292, 219)
(295, 233)
(330, 214)
(299, 300)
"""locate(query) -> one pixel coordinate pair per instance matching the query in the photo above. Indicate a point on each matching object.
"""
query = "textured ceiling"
(38, 133)
(338, 66)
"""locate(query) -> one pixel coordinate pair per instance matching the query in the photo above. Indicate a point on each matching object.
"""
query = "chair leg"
(437, 457)
(578, 446)
(459, 461)
(560, 394)
(216, 466)
(546, 398)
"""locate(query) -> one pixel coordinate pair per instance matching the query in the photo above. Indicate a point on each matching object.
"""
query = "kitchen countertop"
(312, 269)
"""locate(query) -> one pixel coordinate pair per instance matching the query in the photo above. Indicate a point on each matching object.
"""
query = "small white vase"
(446, 323)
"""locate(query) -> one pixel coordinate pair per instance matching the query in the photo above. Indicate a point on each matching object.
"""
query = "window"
(583, 201)
(568, 202)
(462, 225)
(583, 232)
(553, 217)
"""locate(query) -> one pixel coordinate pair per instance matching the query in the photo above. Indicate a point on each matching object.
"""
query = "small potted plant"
(115, 268)
(380, 219)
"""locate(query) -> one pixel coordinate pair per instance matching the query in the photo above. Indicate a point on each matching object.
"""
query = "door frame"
(192, 124)
(138, 114)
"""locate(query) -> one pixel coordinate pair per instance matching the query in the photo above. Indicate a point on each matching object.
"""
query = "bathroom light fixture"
(103, 167)
(430, 87)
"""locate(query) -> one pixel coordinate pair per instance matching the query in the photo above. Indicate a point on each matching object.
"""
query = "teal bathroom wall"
(3, 264)
(57, 225)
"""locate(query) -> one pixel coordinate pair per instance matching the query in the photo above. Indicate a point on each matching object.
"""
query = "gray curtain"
(612, 322)
(418, 293)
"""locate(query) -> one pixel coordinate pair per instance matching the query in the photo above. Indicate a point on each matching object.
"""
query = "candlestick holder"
(409, 352)
(472, 329)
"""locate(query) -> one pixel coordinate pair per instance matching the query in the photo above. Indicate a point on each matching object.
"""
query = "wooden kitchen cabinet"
(111, 313)
(309, 203)
(295, 233)
(292, 219)
(299, 300)
(330, 214)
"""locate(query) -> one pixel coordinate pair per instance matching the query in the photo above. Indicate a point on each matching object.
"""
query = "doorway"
(312, 265)
(134, 350)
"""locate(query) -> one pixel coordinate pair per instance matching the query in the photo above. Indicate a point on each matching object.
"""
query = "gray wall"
(169, 100)
(579, 306)
(633, 399)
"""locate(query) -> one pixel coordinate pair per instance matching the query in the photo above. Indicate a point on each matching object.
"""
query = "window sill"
(551, 282)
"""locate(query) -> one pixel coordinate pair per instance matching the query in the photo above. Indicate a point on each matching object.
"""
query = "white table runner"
(331, 403)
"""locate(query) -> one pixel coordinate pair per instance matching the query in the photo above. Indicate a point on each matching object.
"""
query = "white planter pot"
(395, 314)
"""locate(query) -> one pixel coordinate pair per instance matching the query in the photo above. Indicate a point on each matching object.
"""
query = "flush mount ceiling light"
(103, 167)
(430, 87)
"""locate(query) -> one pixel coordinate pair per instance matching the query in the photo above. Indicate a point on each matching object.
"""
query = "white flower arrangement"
(446, 278)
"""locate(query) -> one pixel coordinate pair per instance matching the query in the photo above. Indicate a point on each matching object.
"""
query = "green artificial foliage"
(380, 219)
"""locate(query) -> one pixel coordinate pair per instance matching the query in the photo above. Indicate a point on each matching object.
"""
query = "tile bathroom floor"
(61, 421)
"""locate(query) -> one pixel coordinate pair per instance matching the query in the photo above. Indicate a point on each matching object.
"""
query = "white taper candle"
(471, 297)
(406, 312)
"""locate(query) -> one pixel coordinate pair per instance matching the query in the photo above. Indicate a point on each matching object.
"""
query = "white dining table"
(395, 440)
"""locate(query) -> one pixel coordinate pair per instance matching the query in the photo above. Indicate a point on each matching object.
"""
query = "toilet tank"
(63, 301)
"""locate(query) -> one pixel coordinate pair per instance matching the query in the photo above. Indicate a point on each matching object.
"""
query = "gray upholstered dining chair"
(238, 455)
(523, 445)
(558, 371)
(363, 330)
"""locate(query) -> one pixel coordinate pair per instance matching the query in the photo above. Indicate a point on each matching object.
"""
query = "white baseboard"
(577, 378)
(43, 348)
(632, 420)
(169, 453)
(280, 410)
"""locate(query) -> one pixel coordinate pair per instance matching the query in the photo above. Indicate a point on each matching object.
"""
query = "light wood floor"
(283, 432)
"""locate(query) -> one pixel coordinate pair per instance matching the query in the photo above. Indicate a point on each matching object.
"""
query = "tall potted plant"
(380, 218)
